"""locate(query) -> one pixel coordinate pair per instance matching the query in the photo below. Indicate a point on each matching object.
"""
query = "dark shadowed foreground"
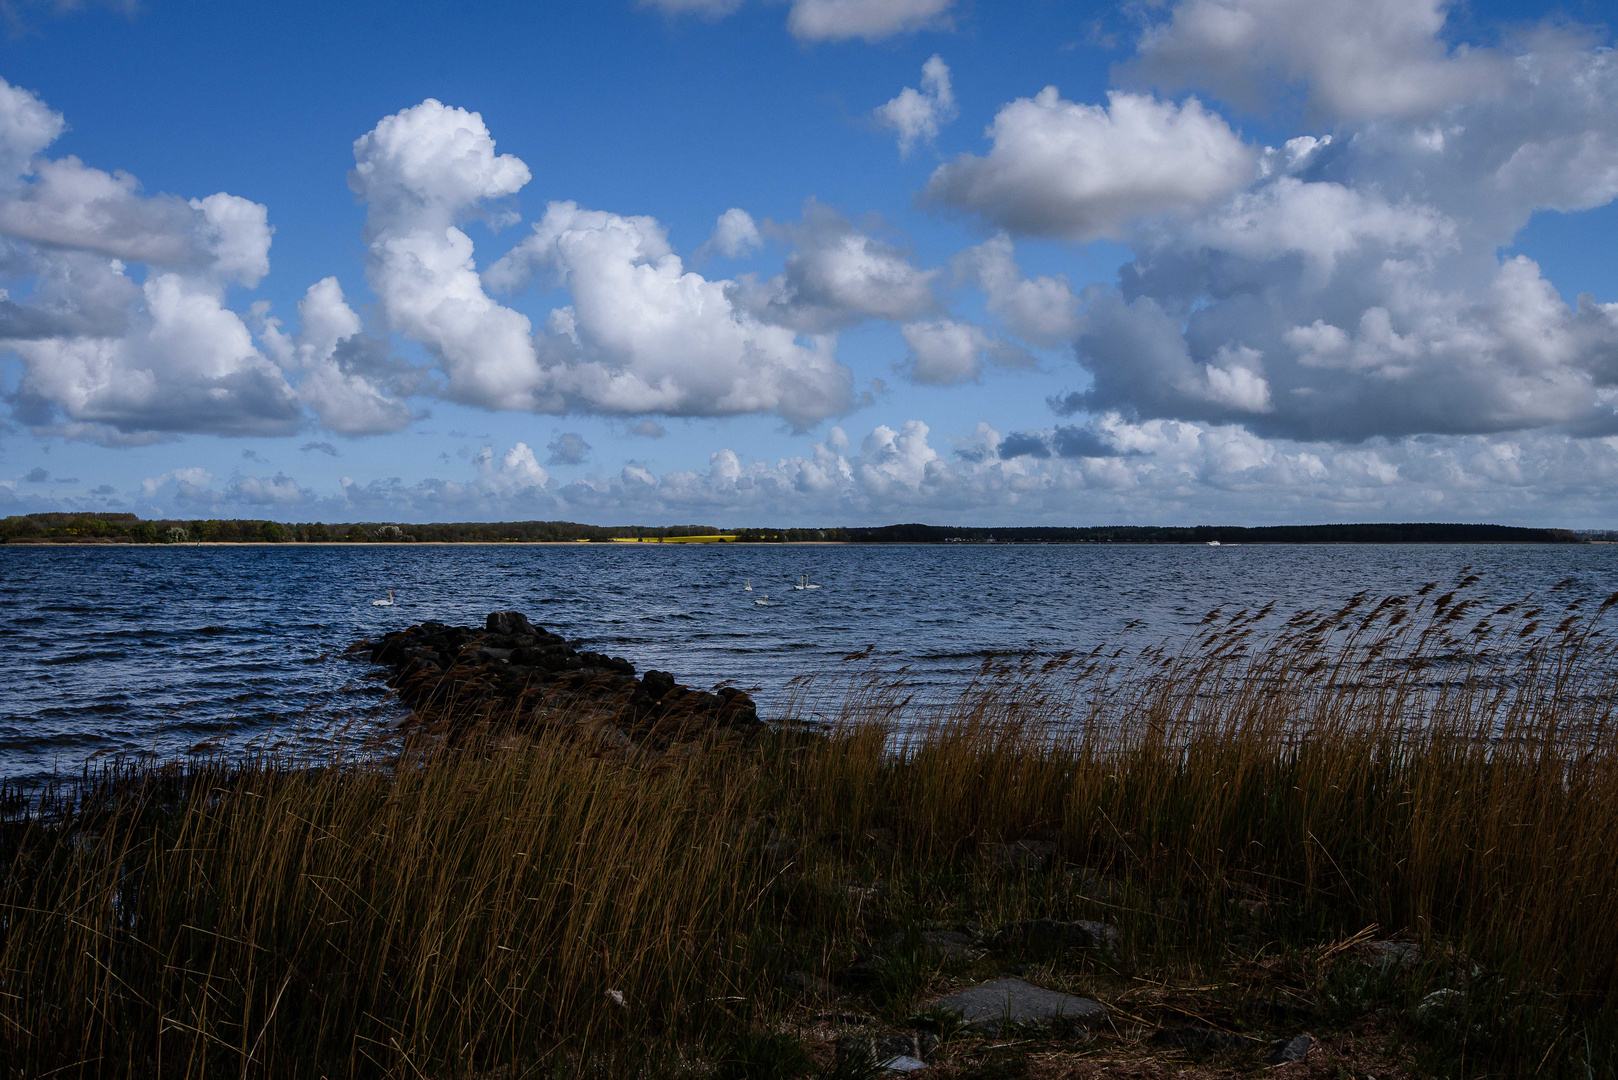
(1389, 827)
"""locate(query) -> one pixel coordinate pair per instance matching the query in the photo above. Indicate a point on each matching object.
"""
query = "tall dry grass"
(1435, 765)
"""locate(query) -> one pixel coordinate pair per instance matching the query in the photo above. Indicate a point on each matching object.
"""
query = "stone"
(902, 1064)
(508, 622)
(1293, 1049)
(1440, 1007)
(945, 945)
(1387, 955)
(994, 1007)
(1100, 937)
(891, 1044)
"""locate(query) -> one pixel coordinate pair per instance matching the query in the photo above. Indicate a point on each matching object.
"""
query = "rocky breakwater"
(513, 677)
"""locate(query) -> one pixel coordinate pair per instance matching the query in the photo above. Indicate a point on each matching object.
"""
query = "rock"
(1439, 1007)
(513, 677)
(993, 1007)
(902, 1064)
(1100, 937)
(1293, 1049)
(1024, 856)
(508, 622)
(891, 1044)
(1387, 955)
(1197, 1037)
(945, 945)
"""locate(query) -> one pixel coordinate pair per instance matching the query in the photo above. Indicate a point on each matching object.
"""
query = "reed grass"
(1244, 807)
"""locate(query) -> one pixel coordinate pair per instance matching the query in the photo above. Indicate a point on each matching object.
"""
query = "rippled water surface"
(120, 650)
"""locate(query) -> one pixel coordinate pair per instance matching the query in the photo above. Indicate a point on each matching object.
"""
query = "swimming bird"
(749, 586)
(803, 583)
(763, 600)
(384, 603)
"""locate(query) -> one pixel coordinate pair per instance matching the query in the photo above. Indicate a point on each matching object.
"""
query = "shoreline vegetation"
(1375, 840)
(111, 528)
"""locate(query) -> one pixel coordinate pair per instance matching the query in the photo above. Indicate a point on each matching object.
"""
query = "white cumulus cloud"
(1351, 58)
(1080, 172)
(918, 115)
(644, 335)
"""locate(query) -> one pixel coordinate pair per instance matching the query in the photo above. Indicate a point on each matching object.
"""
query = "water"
(167, 650)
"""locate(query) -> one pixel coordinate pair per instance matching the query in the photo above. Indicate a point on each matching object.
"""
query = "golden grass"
(1435, 765)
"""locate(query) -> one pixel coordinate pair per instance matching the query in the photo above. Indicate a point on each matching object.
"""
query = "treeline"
(128, 528)
(1424, 533)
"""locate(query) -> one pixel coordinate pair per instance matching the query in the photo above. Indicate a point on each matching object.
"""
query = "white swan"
(384, 603)
(749, 586)
(763, 601)
(803, 583)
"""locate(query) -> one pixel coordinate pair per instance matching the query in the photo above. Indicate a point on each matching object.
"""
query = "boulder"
(997, 1006)
(1293, 1049)
(1099, 937)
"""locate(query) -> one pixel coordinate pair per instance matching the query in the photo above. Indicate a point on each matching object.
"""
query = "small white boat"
(1213, 543)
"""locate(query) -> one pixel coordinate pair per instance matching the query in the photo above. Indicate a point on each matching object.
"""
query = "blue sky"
(811, 261)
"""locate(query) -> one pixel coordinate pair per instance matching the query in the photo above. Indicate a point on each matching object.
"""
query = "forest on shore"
(129, 528)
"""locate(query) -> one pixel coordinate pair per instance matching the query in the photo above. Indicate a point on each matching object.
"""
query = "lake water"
(165, 650)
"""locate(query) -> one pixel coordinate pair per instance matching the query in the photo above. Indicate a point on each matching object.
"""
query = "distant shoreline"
(98, 542)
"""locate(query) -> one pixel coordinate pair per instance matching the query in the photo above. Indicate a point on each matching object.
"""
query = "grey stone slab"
(993, 1007)
(1294, 1049)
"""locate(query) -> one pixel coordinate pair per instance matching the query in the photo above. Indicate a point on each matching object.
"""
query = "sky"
(811, 262)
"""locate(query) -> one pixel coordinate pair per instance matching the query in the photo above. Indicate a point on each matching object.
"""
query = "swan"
(763, 601)
(384, 603)
(749, 586)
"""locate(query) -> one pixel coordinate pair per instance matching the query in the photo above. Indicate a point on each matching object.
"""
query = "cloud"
(103, 489)
(1042, 311)
(916, 115)
(106, 358)
(1358, 288)
(277, 490)
(419, 172)
(1083, 172)
(869, 20)
(837, 277)
(36, 475)
(1349, 59)
(348, 379)
(735, 234)
(944, 352)
(322, 447)
(643, 335)
(647, 429)
(568, 448)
